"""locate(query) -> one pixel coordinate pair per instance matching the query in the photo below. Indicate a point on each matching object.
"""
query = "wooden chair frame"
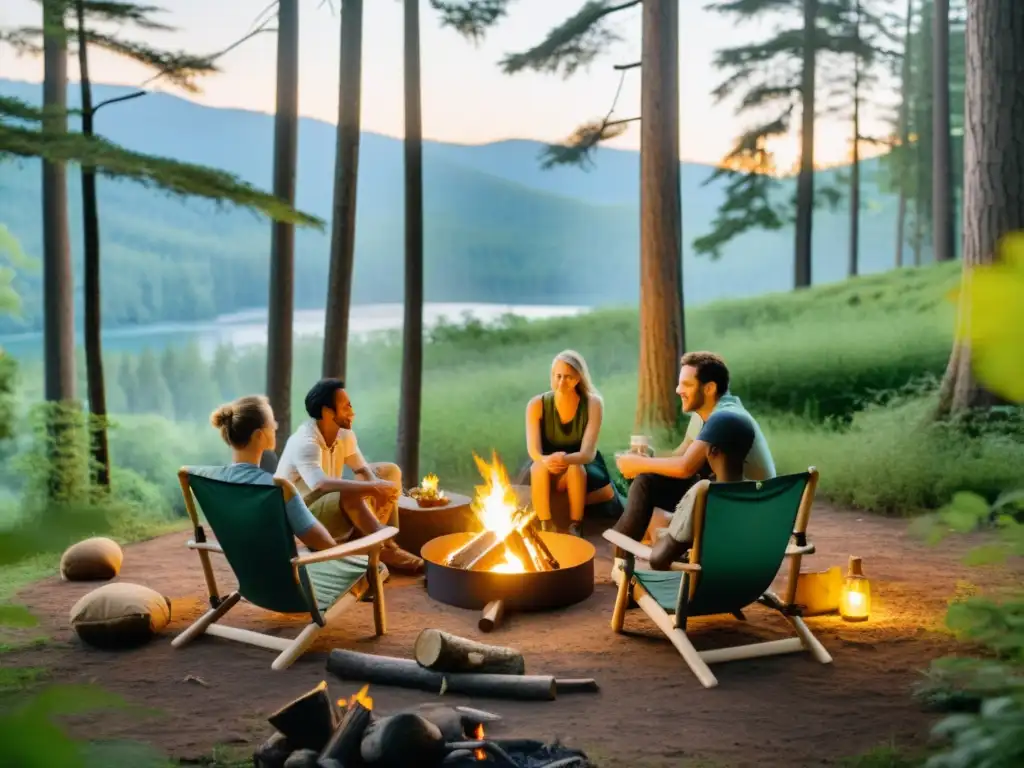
(288, 650)
(675, 626)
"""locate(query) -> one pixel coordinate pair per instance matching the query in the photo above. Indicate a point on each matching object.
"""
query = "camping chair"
(254, 535)
(741, 535)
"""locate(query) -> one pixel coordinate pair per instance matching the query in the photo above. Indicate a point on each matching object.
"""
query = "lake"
(250, 327)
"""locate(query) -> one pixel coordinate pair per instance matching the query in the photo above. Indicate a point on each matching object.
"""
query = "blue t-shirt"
(299, 517)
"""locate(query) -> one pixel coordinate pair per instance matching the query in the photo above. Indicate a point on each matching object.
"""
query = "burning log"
(390, 741)
(454, 722)
(534, 540)
(517, 546)
(492, 615)
(443, 652)
(474, 549)
(308, 721)
(406, 673)
(344, 743)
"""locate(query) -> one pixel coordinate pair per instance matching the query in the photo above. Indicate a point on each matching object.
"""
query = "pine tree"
(128, 379)
(152, 393)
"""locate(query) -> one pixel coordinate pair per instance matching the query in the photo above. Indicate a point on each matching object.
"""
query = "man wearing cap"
(718, 419)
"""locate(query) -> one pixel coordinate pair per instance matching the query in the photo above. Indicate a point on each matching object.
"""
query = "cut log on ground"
(308, 721)
(406, 673)
(492, 615)
(443, 652)
(391, 742)
(481, 544)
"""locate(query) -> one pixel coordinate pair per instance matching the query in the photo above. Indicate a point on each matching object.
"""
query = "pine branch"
(754, 8)
(113, 161)
(139, 15)
(471, 18)
(179, 68)
(574, 44)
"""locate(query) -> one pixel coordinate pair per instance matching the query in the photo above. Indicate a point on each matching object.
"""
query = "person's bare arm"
(588, 447)
(317, 537)
(307, 463)
(534, 411)
(686, 465)
(692, 430)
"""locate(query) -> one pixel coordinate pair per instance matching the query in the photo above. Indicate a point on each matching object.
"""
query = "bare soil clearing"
(651, 711)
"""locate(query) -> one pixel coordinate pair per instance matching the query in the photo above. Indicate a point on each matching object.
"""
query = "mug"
(640, 444)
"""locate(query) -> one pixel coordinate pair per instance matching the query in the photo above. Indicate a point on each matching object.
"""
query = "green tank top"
(557, 436)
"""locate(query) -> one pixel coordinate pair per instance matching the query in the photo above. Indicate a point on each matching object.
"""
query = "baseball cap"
(729, 432)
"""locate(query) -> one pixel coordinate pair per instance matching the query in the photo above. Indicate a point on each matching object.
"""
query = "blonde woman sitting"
(562, 428)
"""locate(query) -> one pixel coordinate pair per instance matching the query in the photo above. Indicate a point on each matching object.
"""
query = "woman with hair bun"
(249, 428)
(562, 428)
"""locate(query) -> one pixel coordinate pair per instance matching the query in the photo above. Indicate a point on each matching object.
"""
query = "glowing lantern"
(855, 602)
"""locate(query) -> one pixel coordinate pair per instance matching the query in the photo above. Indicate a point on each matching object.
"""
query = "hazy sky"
(466, 98)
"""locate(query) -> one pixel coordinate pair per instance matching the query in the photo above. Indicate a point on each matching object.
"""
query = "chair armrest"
(209, 547)
(349, 548)
(806, 549)
(642, 551)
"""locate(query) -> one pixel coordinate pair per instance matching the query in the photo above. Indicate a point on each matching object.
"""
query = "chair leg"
(380, 619)
(621, 599)
(297, 647)
(203, 622)
(811, 643)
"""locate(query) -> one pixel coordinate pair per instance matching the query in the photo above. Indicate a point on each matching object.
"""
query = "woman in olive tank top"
(562, 428)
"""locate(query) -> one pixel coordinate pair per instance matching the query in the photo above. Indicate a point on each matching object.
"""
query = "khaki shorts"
(328, 508)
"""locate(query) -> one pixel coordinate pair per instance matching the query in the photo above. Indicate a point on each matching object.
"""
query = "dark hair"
(710, 367)
(240, 420)
(321, 395)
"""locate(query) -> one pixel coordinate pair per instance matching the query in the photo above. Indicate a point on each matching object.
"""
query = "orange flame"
(497, 507)
(478, 734)
(360, 697)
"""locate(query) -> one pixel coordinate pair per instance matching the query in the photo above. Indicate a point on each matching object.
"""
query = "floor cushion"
(95, 559)
(120, 615)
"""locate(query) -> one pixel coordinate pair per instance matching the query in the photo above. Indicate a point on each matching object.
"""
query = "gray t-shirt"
(299, 517)
(759, 464)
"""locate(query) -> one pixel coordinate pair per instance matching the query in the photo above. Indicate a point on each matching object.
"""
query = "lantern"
(855, 601)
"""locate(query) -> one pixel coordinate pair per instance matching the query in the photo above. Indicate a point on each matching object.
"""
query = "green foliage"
(471, 18)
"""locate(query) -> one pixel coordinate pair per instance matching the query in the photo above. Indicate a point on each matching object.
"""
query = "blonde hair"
(239, 420)
(575, 360)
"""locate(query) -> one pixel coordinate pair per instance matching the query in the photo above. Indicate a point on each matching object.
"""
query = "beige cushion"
(120, 614)
(95, 559)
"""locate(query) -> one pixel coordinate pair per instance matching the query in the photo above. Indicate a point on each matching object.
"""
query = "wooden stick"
(479, 545)
(308, 721)
(444, 652)
(492, 615)
(387, 670)
(532, 537)
(515, 544)
(492, 556)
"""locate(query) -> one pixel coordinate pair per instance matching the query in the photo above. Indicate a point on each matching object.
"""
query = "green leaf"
(988, 554)
(16, 616)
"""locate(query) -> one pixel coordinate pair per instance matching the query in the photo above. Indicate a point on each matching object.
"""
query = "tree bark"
(942, 169)
(901, 214)
(346, 172)
(444, 652)
(58, 278)
(281, 301)
(662, 327)
(855, 161)
(805, 179)
(993, 165)
(92, 271)
(410, 400)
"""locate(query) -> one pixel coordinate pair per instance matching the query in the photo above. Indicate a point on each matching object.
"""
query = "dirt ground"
(650, 711)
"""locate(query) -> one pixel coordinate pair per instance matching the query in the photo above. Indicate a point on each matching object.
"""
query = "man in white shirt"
(314, 459)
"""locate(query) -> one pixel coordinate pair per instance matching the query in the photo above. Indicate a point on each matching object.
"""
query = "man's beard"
(344, 423)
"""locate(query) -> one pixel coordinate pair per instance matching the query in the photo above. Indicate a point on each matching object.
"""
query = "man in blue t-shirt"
(661, 482)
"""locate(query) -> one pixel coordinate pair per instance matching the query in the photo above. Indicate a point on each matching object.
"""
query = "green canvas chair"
(742, 532)
(252, 532)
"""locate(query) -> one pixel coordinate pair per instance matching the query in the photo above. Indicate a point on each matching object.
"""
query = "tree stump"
(444, 652)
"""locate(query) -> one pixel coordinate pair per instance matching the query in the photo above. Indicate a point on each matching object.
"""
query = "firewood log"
(308, 721)
(491, 616)
(302, 758)
(390, 742)
(344, 742)
(273, 752)
(533, 537)
(387, 670)
(444, 652)
(516, 543)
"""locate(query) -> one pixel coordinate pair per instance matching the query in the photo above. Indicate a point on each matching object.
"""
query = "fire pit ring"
(529, 591)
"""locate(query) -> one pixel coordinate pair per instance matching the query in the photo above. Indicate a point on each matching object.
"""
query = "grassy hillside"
(498, 228)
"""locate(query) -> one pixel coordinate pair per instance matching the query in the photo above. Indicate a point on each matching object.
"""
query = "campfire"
(315, 732)
(510, 562)
(427, 493)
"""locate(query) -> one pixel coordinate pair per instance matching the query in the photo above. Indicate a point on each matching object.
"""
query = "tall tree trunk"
(942, 168)
(805, 180)
(58, 278)
(412, 330)
(100, 468)
(346, 171)
(662, 329)
(901, 214)
(281, 302)
(855, 164)
(993, 159)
